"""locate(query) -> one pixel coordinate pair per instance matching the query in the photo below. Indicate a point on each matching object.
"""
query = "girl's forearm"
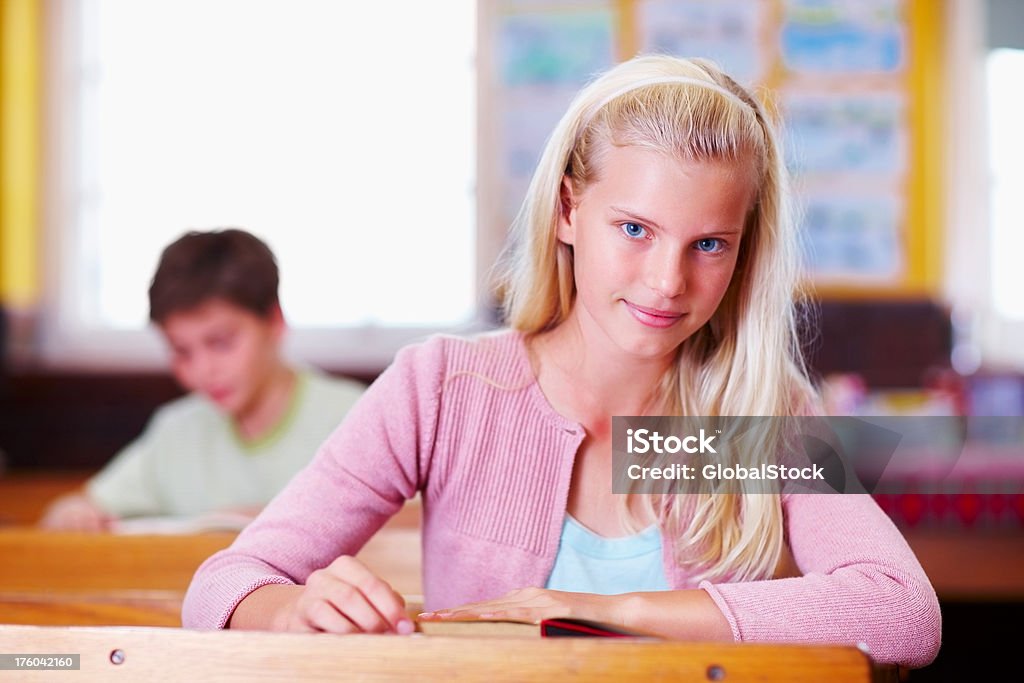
(261, 610)
(679, 614)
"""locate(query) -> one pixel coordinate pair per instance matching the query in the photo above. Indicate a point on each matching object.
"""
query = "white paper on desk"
(213, 521)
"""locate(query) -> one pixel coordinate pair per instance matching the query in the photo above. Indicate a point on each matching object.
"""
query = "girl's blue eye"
(634, 230)
(709, 245)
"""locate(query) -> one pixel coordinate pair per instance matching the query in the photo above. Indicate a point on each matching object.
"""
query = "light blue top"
(589, 563)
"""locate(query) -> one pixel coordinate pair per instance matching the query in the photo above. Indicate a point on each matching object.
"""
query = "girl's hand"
(535, 604)
(344, 597)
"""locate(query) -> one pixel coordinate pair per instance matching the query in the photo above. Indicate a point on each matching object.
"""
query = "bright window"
(1006, 159)
(343, 134)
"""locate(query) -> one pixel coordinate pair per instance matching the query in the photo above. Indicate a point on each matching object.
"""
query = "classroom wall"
(20, 130)
(854, 331)
(21, 234)
(20, 138)
(925, 282)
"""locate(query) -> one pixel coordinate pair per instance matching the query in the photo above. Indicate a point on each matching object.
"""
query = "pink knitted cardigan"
(464, 422)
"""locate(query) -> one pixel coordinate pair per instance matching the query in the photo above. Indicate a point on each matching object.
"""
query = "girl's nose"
(667, 273)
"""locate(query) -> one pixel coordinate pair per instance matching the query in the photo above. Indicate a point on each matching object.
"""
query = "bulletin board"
(858, 84)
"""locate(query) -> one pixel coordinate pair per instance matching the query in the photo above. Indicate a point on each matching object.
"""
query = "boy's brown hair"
(229, 264)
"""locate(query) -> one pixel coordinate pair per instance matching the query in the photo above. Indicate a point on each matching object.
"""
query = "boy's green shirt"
(190, 459)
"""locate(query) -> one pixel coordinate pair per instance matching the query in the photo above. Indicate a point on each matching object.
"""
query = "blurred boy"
(251, 421)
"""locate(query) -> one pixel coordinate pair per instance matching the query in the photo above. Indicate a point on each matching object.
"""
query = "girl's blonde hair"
(745, 361)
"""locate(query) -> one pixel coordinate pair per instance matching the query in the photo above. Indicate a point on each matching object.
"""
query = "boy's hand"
(344, 597)
(75, 512)
(250, 511)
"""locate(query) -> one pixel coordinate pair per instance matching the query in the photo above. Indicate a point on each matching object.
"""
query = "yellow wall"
(926, 209)
(20, 114)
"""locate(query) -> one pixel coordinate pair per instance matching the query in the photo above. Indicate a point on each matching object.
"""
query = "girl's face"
(655, 242)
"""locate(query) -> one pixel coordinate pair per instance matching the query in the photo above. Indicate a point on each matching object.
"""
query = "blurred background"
(382, 149)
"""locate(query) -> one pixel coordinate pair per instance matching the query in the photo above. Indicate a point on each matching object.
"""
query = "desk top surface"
(155, 654)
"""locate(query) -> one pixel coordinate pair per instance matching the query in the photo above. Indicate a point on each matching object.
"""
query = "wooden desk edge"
(149, 653)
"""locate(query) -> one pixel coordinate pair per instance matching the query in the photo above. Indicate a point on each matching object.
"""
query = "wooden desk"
(104, 579)
(100, 608)
(75, 579)
(154, 654)
(56, 562)
(25, 495)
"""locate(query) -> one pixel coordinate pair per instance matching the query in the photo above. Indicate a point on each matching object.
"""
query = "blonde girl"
(653, 272)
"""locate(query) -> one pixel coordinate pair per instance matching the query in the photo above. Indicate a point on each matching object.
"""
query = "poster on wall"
(543, 59)
(727, 32)
(842, 37)
(844, 102)
(835, 69)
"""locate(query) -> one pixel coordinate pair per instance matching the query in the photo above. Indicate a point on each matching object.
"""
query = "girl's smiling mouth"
(653, 317)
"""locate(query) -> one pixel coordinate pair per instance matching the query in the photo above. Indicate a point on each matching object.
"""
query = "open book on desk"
(548, 628)
(195, 524)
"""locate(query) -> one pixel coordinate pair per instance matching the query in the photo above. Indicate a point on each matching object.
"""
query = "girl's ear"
(567, 215)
